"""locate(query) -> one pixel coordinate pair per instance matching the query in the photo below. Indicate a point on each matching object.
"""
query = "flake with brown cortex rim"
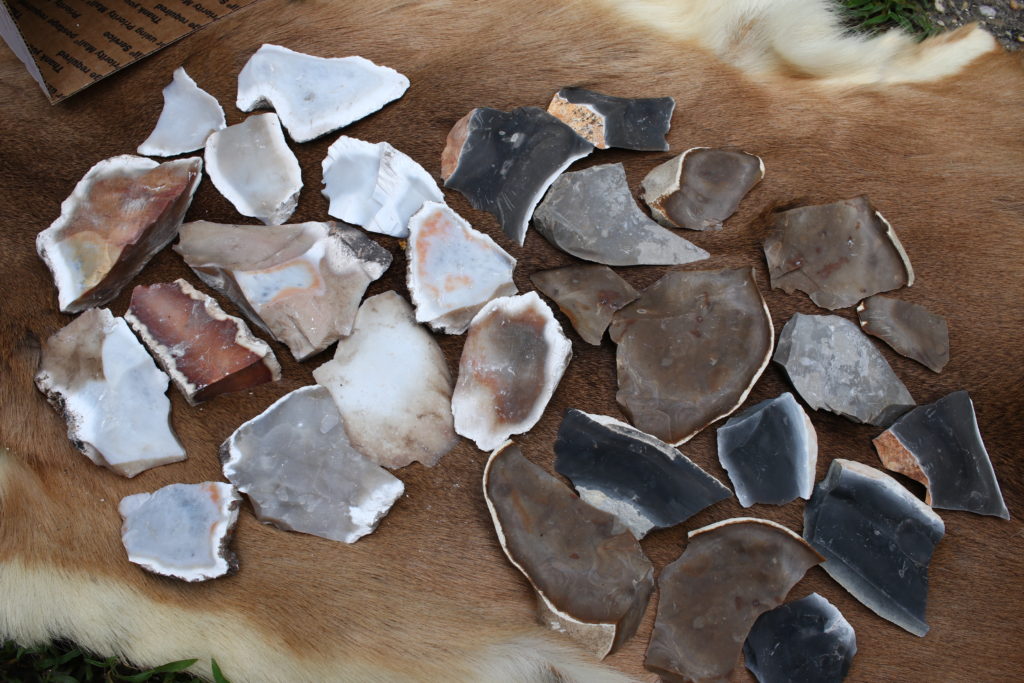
(588, 295)
(205, 351)
(729, 574)
(639, 123)
(911, 330)
(591, 577)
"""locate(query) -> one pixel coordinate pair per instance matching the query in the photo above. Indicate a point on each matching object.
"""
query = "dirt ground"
(1002, 18)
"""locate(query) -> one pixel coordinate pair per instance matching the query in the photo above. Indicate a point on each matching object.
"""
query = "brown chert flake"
(910, 329)
(588, 295)
(701, 187)
(205, 351)
(836, 253)
(121, 213)
(730, 573)
(592, 579)
(690, 349)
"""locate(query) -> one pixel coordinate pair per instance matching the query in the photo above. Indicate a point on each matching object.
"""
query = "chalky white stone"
(301, 473)
(315, 95)
(182, 530)
(190, 115)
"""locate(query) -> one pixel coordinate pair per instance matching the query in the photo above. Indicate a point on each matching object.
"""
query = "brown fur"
(429, 596)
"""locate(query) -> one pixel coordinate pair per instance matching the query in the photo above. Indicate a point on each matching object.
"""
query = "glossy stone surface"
(835, 367)
(375, 185)
(189, 116)
(504, 162)
(98, 376)
(592, 579)
(122, 212)
(640, 479)
(592, 215)
(836, 253)
(453, 270)
(391, 384)
(911, 330)
(205, 351)
(877, 539)
(315, 95)
(182, 530)
(770, 451)
(639, 123)
(513, 358)
(296, 465)
(939, 445)
(251, 165)
(690, 349)
(587, 295)
(701, 188)
(729, 574)
(804, 640)
(300, 283)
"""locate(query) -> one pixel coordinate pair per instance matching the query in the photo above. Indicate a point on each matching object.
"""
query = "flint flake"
(607, 121)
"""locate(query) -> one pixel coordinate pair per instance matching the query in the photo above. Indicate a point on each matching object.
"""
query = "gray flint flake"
(877, 539)
(627, 123)
(592, 215)
(803, 640)
(770, 452)
(588, 295)
(911, 330)
(503, 162)
(834, 366)
(640, 479)
(940, 446)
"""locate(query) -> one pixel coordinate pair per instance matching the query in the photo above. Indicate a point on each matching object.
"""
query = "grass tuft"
(65, 663)
(873, 16)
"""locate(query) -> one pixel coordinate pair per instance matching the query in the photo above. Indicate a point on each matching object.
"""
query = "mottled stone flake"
(315, 95)
(390, 382)
(639, 123)
(729, 574)
(205, 351)
(120, 214)
(835, 367)
(838, 254)
(190, 115)
(453, 270)
(592, 215)
(512, 361)
(301, 283)
(504, 162)
(877, 539)
(591, 577)
(299, 471)
(587, 295)
(690, 349)
(911, 330)
(182, 530)
(98, 376)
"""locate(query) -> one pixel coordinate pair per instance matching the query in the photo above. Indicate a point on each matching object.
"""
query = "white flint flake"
(375, 186)
(182, 530)
(453, 269)
(251, 165)
(315, 95)
(189, 116)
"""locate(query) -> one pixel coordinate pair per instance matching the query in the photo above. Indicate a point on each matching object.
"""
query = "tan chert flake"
(591, 577)
(911, 330)
(301, 283)
(121, 213)
(588, 295)
(205, 351)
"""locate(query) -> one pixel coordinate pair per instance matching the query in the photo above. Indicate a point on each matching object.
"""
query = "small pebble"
(939, 6)
(1014, 5)
(987, 11)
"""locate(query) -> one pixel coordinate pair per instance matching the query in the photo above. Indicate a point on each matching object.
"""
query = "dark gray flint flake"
(836, 253)
(911, 330)
(940, 446)
(503, 162)
(803, 640)
(834, 366)
(877, 539)
(627, 123)
(592, 215)
(588, 295)
(638, 478)
(701, 187)
(770, 452)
